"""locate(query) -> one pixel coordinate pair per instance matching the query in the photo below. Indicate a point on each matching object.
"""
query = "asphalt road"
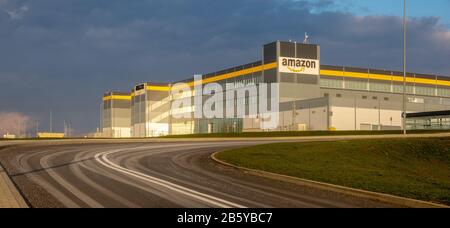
(151, 174)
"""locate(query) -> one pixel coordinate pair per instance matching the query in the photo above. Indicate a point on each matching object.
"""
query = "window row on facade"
(388, 87)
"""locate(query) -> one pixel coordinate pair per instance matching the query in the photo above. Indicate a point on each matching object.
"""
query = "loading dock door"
(301, 127)
(210, 128)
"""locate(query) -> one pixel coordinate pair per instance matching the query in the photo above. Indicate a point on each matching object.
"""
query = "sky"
(63, 55)
(416, 8)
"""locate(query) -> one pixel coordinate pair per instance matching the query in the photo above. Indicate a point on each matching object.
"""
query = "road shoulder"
(9, 195)
(380, 197)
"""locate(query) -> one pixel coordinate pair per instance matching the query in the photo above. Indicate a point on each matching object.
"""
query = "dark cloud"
(65, 54)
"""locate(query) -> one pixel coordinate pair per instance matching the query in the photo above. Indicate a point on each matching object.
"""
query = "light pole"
(51, 121)
(37, 129)
(404, 68)
(101, 118)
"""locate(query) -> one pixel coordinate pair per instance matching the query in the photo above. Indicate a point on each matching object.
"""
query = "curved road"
(152, 174)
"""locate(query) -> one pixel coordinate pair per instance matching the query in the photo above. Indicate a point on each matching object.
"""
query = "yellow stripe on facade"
(117, 97)
(331, 73)
(240, 73)
(356, 75)
(383, 77)
(235, 74)
(158, 88)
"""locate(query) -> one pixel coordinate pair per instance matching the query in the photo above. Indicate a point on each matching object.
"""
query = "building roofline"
(326, 70)
(116, 93)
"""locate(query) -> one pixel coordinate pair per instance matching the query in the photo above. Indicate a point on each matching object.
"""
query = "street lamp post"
(51, 121)
(404, 68)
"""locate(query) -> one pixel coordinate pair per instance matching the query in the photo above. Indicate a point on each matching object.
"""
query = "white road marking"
(102, 158)
(71, 188)
(23, 160)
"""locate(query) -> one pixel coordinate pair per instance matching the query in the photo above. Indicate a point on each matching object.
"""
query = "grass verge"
(413, 168)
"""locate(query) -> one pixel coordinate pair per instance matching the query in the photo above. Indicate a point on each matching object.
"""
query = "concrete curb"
(386, 198)
(14, 198)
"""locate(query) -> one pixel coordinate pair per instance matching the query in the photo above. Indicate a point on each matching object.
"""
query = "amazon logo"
(298, 65)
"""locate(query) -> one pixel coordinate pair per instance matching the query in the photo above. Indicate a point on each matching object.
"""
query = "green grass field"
(414, 168)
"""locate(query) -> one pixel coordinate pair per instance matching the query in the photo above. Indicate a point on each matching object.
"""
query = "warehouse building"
(312, 97)
(116, 115)
(150, 105)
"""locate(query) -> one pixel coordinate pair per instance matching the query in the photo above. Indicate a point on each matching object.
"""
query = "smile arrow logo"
(296, 70)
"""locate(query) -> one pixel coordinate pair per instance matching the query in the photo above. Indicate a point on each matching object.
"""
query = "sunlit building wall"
(314, 99)
(150, 108)
(116, 115)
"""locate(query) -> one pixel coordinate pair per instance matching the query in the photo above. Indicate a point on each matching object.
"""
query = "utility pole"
(379, 114)
(51, 121)
(309, 117)
(24, 129)
(101, 117)
(68, 130)
(404, 67)
(37, 128)
(294, 115)
(19, 129)
(356, 112)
